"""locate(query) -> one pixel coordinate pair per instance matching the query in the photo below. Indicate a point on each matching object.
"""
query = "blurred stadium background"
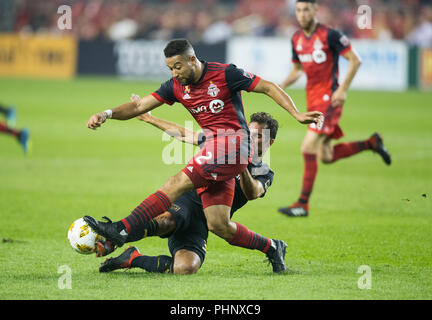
(125, 37)
(362, 213)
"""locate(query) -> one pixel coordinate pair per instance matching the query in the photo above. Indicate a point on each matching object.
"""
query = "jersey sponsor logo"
(319, 56)
(305, 58)
(216, 106)
(198, 109)
(213, 90)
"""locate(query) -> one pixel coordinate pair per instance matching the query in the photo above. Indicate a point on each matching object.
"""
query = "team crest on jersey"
(318, 45)
(213, 90)
(318, 55)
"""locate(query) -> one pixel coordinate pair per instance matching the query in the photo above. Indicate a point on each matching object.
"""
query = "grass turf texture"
(361, 212)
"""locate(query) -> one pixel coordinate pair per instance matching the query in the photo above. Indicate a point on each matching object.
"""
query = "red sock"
(154, 205)
(6, 129)
(310, 171)
(250, 240)
(345, 150)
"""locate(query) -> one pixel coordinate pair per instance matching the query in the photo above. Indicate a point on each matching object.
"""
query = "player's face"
(305, 13)
(260, 135)
(182, 68)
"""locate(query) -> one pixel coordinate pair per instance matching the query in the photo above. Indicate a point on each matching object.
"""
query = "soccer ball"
(81, 237)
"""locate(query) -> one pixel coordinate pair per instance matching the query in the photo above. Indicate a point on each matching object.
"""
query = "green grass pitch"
(362, 212)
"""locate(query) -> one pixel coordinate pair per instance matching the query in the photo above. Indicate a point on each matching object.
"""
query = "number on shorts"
(206, 157)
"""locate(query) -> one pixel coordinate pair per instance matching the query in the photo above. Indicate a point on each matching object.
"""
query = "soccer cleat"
(23, 139)
(103, 248)
(108, 230)
(277, 256)
(379, 148)
(123, 261)
(11, 117)
(294, 211)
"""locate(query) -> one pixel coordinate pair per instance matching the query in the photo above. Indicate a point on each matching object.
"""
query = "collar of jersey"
(313, 32)
(203, 73)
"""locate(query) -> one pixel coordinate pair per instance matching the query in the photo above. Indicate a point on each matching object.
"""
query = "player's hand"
(338, 97)
(96, 120)
(311, 117)
(145, 117)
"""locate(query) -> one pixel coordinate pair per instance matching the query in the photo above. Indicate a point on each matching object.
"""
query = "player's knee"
(219, 228)
(326, 159)
(184, 268)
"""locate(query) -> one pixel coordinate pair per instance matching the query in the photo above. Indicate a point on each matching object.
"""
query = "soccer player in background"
(8, 128)
(211, 92)
(184, 224)
(315, 50)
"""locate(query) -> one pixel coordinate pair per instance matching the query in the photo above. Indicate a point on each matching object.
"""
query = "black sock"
(161, 264)
(150, 229)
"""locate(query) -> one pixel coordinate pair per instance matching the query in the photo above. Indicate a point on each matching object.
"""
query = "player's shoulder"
(331, 31)
(216, 66)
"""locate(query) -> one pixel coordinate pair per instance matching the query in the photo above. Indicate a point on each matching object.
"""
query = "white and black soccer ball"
(81, 237)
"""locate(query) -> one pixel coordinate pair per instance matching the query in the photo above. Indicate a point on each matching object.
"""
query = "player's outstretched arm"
(173, 129)
(283, 99)
(294, 75)
(125, 111)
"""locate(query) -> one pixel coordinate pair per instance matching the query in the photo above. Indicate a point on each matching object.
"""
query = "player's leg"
(310, 147)
(10, 114)
(236, 234)
(132, 258)
(22, 136)
(186, 262)
(154, 205)
(159, 226)
(331, 154)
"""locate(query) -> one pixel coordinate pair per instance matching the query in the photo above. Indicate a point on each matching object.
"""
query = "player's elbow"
(357, 62)
(253, 194)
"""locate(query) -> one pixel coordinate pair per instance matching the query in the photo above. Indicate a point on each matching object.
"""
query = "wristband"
(109, 113)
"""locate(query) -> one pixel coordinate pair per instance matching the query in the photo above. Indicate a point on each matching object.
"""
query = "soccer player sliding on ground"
(184, 224)
(211, 92)
(316, 49)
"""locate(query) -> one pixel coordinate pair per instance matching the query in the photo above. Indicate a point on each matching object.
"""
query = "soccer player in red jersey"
(211, 92)
(316, 49)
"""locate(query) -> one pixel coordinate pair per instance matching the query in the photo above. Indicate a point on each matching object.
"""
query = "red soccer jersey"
(319, 57)
(215, 101)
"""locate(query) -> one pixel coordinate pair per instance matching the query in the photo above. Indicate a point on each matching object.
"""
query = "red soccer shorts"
(215, 167)
(330, 126)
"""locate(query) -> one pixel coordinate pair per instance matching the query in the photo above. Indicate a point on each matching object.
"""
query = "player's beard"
(188, 80)
(308, 26)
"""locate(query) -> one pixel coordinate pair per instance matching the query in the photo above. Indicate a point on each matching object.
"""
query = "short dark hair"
(268, 120)
(178, 47)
